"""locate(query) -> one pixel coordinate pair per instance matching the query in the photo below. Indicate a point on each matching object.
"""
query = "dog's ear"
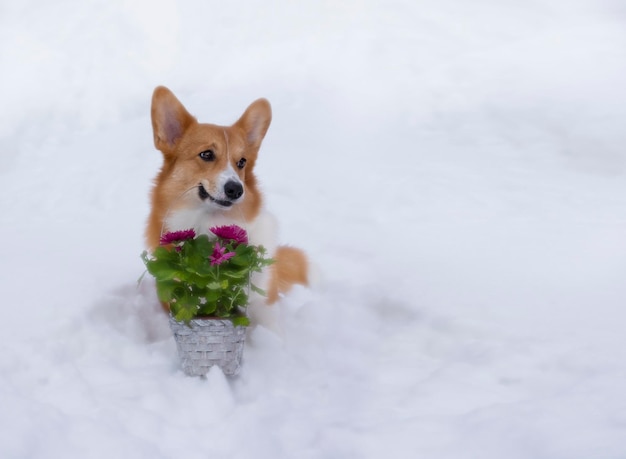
(255, 121)
(170, 119)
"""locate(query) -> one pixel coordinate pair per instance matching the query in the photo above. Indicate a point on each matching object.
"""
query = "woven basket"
(207, 342)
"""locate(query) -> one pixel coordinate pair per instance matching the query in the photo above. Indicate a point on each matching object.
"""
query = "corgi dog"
(207, 179)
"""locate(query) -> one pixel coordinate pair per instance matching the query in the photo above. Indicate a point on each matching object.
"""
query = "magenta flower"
(232, 232)
(220, 255)
(177, 236)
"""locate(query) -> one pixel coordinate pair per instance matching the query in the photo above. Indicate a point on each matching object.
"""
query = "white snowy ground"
(457, 169)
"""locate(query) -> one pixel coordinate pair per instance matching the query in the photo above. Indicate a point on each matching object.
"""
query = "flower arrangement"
(206, 275)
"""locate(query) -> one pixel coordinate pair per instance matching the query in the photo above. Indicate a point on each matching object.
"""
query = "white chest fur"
(261, 231)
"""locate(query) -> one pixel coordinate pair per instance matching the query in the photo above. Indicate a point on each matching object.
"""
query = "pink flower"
(177, 236)
(232, 232)
(219, 255)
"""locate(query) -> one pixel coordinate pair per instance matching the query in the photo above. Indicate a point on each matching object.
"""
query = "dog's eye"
(207, 155)
(241, 163)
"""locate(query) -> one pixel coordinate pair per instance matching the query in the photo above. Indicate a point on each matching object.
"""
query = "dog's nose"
(233, 190)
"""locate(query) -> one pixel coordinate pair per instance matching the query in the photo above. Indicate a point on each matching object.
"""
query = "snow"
(456, 170)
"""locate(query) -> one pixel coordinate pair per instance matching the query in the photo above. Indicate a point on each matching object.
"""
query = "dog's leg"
(291, 267)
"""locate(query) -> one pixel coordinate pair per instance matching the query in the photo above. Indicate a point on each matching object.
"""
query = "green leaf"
(203, 269)
(186, 304)
(207, 309)
(240, 321)
(239, 274)
(213, 296)
(165, 290)
(203, 245)
(258, 290)
(163, 269)
(184, 315)
(242, 261)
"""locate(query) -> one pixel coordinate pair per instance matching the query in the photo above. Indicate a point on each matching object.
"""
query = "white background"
(456, 169)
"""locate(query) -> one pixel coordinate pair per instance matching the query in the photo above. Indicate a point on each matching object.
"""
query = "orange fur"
(290, 267)
(181, 139)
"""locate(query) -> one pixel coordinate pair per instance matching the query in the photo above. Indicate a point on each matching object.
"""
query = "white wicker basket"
(207, 342)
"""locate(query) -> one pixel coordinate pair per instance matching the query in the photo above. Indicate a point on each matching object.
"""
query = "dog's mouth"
(204, 195)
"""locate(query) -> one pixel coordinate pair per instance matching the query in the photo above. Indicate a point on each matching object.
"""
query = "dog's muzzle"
(232, 190)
